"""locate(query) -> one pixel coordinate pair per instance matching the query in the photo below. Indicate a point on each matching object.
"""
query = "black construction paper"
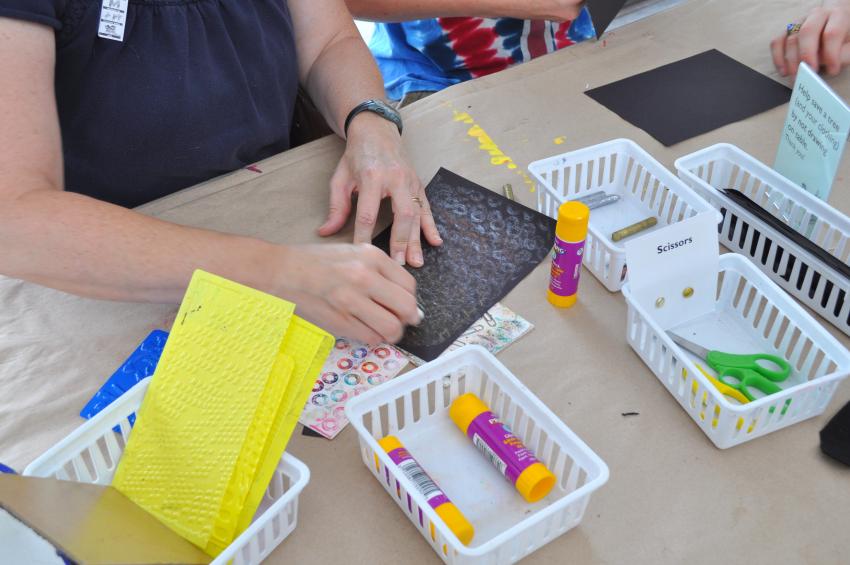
(835, 437)
(310, 432)
(690, 97)
(490, 244)
(603, 12)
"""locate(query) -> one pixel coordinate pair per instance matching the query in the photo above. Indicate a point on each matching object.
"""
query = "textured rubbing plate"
(139, 365)
(307, 346)
(204, 397)
(490, 244)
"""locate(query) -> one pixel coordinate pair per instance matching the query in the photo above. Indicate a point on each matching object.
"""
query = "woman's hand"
(822, 41)
(375, 167)
(354, 291)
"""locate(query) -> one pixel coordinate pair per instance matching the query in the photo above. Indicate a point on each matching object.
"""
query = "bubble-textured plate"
(211, 423)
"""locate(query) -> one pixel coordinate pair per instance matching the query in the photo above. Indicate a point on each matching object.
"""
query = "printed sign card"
(673, 270)
(814, 134)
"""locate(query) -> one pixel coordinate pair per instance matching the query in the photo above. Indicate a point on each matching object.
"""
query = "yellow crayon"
(634, 228)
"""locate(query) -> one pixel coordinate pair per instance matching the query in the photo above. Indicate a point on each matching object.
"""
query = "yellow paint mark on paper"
(560, 140)
(485, 143)
(463, 117)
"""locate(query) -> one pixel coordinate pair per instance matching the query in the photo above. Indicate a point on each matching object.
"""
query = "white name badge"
(113, 18)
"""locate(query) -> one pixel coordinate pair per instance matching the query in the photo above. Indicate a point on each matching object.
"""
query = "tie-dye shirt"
(429, 55)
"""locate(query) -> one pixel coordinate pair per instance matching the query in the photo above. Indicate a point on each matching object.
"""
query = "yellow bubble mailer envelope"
(221, 407)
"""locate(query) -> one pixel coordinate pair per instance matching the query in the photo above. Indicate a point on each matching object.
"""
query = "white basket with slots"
(752, 315)
(645, 187)
(90, 454)
(795, 269)
(414, 408)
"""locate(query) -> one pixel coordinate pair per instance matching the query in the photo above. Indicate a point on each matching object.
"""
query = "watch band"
(377, 107)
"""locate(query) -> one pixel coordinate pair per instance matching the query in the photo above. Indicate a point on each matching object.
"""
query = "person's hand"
(822, 41)
(549, 10)
(352, 291)
(375, 167)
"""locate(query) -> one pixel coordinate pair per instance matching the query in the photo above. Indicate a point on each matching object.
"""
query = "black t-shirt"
(197, 88)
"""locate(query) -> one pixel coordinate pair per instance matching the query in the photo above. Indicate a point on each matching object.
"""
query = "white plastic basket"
(414, 408)
(91, 453)
(796, 270)
(752, 315)
(621, 167)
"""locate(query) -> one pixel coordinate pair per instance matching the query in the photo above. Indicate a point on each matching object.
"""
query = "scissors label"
(673, 245)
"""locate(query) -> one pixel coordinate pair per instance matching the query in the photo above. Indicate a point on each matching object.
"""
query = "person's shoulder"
(46, 12)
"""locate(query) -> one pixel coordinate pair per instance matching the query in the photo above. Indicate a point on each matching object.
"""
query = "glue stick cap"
(572, 221)
(466, 408)
(456, 522)
(535, 482)
(388, 443)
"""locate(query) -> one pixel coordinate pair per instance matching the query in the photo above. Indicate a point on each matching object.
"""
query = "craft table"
(672, 497)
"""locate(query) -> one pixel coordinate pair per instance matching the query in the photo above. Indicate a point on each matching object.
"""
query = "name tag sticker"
(113, 18)
(673, 270)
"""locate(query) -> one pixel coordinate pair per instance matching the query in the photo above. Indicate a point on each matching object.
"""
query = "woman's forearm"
(404, 10)
(80, 245)
(336, 67)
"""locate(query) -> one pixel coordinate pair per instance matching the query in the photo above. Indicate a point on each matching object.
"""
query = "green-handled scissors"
(741, 371)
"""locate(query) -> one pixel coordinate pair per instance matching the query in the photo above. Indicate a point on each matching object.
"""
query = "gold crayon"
(634, 228)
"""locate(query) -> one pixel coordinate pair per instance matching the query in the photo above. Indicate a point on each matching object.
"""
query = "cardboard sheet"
(490, 244)
(692, 96)
(57, 349)
(93, 524)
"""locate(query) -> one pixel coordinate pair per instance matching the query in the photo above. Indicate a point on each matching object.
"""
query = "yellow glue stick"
(570, 233)
(441, 504)
(504, 450)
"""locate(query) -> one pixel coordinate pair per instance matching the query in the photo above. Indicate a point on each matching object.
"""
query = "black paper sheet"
(602, 13)
(690, 97)
(490, 244)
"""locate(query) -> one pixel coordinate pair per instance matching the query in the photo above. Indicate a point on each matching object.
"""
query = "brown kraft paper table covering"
(672, 497)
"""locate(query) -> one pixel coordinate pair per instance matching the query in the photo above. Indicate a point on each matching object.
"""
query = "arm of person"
(822, 41)
(403, 10)
(80, 245)
(339, 73)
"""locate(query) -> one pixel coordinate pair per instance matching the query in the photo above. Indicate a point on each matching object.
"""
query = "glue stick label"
(417, 475)
(566, 267)
(496, 441)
